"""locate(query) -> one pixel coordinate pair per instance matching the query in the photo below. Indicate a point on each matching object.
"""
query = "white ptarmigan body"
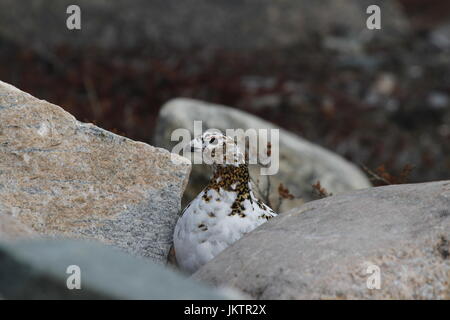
(224, 211)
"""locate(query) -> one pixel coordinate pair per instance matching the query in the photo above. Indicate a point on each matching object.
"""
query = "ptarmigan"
(224, 211)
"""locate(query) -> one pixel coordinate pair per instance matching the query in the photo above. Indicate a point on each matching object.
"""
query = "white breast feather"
(195, 245)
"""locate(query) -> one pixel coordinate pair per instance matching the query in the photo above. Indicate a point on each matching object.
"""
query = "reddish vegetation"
(284, 193)
(425, 14)
(320, 191)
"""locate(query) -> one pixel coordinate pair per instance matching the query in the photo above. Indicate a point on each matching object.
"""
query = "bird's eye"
(212, 140)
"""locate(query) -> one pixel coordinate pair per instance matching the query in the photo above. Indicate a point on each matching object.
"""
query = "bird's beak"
(194, 146)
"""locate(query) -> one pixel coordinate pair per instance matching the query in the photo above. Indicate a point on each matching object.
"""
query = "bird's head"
(217, 149)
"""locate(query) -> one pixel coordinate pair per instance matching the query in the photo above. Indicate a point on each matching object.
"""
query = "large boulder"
(61, 177)
(335, 247)
(301, 163)
(42, 269)
(196, 23)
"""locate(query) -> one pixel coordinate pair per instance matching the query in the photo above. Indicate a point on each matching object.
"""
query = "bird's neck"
(230, 178)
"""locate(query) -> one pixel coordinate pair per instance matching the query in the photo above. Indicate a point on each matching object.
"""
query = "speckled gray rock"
(61, 177)
(37, 270)
(301, 162)
(11, 228)
(322, 250)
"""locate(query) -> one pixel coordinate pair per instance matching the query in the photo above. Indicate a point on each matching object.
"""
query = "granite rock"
(60, 177)
(42, 269)
(331, 248)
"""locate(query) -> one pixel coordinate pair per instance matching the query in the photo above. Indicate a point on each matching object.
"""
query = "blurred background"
(380, 98)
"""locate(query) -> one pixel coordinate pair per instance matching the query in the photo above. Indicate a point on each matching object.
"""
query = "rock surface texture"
(301, 162)
(323, 249)
(12, 229)
(38, 270)
(61, 177)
